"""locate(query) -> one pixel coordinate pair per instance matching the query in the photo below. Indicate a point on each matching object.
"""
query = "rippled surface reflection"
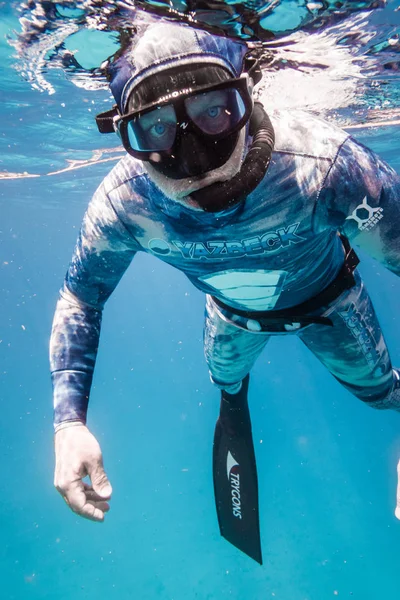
(338, 59)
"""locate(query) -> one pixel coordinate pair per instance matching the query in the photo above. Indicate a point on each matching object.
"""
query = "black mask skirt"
(193, 155)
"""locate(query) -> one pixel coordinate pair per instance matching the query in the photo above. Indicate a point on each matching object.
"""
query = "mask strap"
(105, 121)
(252, 66)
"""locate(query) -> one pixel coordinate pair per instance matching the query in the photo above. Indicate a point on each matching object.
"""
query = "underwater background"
(326, 463)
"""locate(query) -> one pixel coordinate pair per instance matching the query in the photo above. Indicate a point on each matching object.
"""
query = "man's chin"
(202, 182)
(180, 189)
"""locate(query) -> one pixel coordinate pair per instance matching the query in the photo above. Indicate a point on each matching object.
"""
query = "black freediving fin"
(235, 475)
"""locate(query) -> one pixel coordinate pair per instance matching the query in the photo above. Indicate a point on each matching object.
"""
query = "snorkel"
(226, 194)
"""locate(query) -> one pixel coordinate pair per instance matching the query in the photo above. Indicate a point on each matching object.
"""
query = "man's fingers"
(94, 511)
(103, 506)
(76, 498)
(74, 494)
(91, 495)
(100, 483)
(88, 511)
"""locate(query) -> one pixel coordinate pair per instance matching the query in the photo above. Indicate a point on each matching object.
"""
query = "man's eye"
(159, 129)
(214, 111)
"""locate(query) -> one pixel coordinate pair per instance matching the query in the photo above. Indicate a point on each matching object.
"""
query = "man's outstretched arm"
(103, 252)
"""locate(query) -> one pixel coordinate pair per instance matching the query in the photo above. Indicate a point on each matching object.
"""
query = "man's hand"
(78, 454)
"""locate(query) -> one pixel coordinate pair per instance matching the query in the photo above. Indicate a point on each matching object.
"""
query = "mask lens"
(153, 131)
(217, 111)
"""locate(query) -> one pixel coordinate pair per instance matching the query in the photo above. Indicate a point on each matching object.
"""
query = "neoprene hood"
(166, 45)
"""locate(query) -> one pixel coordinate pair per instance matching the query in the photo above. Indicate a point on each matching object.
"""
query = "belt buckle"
(293, 326)
(253, 325)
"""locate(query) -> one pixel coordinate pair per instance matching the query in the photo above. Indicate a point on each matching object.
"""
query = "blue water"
(327, 464)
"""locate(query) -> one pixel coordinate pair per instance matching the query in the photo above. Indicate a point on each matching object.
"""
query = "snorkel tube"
(223, 195)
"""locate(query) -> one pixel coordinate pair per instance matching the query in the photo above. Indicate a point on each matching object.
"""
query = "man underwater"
(258, 211)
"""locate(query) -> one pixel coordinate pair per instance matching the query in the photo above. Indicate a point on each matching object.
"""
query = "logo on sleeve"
(366, 216)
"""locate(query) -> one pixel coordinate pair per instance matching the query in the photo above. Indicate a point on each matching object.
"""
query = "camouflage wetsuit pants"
(353, 350)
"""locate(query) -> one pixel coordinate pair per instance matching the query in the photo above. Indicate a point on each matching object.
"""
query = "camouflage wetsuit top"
(276, 250)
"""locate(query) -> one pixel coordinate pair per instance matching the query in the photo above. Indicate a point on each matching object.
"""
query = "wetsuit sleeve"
(361, 198)
(103, 252)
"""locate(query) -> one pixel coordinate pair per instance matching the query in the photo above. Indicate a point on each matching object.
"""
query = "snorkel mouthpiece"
(223, 195)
